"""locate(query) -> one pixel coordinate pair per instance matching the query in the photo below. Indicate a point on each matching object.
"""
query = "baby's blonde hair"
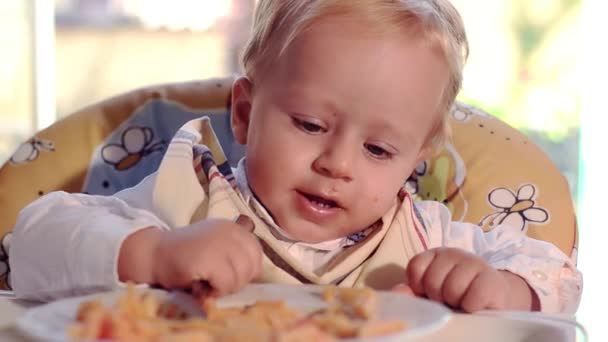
(278, 22)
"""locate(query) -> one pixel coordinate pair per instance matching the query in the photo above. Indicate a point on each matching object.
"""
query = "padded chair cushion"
(58, 157)
(489, 174)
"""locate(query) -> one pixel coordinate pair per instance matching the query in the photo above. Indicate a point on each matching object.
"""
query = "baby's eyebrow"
(309, 97)
(392, 132)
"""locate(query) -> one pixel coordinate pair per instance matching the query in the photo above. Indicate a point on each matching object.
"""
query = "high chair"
(488, 174)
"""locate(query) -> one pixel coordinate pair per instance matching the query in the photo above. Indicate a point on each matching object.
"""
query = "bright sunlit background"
(526, 67)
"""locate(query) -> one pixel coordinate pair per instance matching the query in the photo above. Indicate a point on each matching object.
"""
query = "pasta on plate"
(144, 316)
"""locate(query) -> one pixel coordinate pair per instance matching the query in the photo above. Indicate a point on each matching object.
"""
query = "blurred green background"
(523, 66)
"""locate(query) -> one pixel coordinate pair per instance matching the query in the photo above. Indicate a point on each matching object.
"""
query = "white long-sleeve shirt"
(68, 244)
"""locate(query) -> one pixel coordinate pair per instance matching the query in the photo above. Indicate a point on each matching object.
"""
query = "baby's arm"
(68, 244)
(525, 264)
(72, 244)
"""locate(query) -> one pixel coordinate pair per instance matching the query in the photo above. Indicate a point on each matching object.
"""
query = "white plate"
(543, 327)
(508, 327)
(49, 322)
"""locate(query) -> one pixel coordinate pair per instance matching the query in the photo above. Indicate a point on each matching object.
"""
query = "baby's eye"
(377, 151)
(308, 126)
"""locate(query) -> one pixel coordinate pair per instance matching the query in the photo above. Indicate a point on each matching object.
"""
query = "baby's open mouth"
(320, 202)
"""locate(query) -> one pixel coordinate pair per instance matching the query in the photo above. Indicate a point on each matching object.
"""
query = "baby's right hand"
(223, 253)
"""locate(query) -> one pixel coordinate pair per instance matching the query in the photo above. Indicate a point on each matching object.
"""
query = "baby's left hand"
(464, 280)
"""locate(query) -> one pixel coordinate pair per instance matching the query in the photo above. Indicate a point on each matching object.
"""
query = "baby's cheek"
(376, 197)
(377, 205)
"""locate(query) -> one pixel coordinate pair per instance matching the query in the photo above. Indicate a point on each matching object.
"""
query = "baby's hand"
(223, 253)
(464, 280)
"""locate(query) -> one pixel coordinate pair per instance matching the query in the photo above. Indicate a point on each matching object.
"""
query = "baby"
(341, 99)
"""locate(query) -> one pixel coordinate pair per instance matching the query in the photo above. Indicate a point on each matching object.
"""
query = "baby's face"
(336, 126)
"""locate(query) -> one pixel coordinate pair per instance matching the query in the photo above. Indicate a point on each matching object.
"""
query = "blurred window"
(93, 49)
(16, 79)
(524, 68)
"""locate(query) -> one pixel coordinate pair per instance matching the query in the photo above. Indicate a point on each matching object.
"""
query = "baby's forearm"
(522, 296)
(135, 260)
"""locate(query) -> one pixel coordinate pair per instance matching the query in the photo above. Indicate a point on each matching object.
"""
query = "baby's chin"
(311, 233)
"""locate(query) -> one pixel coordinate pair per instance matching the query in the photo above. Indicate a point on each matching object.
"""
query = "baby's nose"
(336, 162)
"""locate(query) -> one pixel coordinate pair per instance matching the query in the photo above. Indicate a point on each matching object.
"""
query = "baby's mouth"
(320, 202)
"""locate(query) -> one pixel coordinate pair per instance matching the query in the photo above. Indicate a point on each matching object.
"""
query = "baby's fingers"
(483, 293)
(434, 279)
(255, 254)
(250, 248)
(245, 262)
(416, 269)
(456, 284)
(223, 277)
(230, 270)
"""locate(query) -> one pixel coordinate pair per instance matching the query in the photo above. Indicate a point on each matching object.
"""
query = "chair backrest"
(489, 174)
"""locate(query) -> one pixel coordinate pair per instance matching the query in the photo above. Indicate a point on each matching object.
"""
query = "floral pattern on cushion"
(489, 173)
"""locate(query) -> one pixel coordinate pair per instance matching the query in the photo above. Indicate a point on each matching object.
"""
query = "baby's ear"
(241, 109)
